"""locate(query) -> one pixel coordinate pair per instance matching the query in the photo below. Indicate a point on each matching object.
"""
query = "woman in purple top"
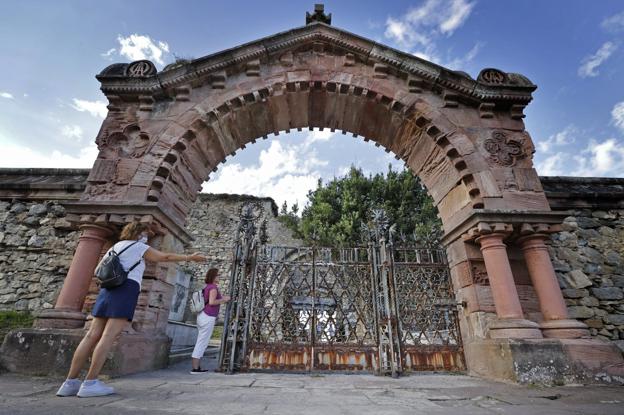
(207, 318)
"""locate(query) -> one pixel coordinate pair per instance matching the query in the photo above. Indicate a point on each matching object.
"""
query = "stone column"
(556, 321)
(67, 312)
(511, 322)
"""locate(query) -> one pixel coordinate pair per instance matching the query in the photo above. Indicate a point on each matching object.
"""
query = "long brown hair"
(131, 231)
(211, 275)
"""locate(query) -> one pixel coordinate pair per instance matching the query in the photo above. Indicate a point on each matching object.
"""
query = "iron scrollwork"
(386, 307)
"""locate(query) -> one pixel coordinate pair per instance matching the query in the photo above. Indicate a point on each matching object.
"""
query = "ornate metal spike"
(264, 237)
(381, 224)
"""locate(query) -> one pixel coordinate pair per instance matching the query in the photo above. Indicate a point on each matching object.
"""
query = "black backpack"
(110, 272)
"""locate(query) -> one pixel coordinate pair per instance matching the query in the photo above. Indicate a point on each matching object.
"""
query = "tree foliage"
(336, 210)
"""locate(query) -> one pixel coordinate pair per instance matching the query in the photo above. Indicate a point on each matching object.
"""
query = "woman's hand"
(225, 298)
(197, 257)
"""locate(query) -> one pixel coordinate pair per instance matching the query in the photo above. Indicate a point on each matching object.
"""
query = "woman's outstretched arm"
(154, 255)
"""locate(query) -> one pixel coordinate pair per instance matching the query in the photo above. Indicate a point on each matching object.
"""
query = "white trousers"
(205, 325)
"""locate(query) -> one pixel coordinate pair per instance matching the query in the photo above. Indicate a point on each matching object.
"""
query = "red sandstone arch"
(317, 76)
(165, 131)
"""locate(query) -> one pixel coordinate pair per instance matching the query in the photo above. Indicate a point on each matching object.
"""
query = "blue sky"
(51, 107)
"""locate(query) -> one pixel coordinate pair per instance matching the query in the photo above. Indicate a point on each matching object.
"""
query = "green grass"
(10, 320)
(217, 332)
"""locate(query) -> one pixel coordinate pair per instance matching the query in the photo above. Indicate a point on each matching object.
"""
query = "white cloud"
(552, 166)
(421, 26)
(559, 139)
(283, 172)
(603, 159)
(431, 19)
(16, 155)
(72, 131)
(599, 159)
(318, 136)
(590, 64)
(137, 47)
(95, 108)
(617, 115)
(456, 16)
(614, 23)
(459, 63)
(404, 33)
(6, 95)
(108, 54)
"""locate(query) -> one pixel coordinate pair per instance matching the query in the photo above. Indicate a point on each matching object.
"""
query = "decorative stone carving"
(252, 68)
(415, 85)
(349, 59)
(486, 110)
(218, 80)
(140, 69)
(504, 150)
(318, 15)
(102, 171)
(479, 273)
(492, 76)
(381, 70)
(131, 143)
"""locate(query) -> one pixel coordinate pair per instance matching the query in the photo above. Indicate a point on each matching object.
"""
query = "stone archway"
(166, 131)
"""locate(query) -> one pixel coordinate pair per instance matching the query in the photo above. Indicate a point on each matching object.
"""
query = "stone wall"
(36, 248)
(588, 253)
(213, 223)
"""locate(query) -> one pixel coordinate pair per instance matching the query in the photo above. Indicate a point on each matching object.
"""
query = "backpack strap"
(134, 266)
(123, 250)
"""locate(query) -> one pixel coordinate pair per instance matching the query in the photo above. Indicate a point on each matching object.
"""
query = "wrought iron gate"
(377, 308)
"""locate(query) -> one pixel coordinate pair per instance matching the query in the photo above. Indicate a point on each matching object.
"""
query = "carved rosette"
(504, 150)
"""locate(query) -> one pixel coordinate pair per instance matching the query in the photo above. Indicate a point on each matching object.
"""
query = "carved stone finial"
(139, 69)
(492, 76)
(318, 15)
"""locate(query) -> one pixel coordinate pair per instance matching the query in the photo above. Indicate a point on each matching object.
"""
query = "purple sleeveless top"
(211, 310)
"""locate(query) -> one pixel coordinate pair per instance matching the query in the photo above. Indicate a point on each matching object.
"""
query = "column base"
(552, 362)
(564, 329)
(514, 329)
(48, 352)
(58, 318)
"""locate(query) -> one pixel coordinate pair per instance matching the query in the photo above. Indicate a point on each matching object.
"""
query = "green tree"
(336, 210)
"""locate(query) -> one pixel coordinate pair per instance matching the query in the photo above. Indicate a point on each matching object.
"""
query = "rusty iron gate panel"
(380, 308)
(426, 311)
(312, 310)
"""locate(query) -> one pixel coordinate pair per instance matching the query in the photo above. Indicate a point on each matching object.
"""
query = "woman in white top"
(114, 308)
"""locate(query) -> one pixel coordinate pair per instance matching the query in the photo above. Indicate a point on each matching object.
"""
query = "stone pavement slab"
(175, 391)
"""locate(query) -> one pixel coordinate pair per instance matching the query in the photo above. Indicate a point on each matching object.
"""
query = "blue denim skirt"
(118, 302)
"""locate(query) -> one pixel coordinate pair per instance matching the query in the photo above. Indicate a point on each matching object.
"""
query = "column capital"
(114, 222)
(482, 229)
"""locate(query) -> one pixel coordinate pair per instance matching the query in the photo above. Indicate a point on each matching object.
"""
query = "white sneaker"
(69, 388)
(92, 388)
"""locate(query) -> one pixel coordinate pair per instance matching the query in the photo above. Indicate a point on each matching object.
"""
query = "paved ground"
(174, 391)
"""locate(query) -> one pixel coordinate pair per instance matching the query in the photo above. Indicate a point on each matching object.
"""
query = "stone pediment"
(141, 78)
